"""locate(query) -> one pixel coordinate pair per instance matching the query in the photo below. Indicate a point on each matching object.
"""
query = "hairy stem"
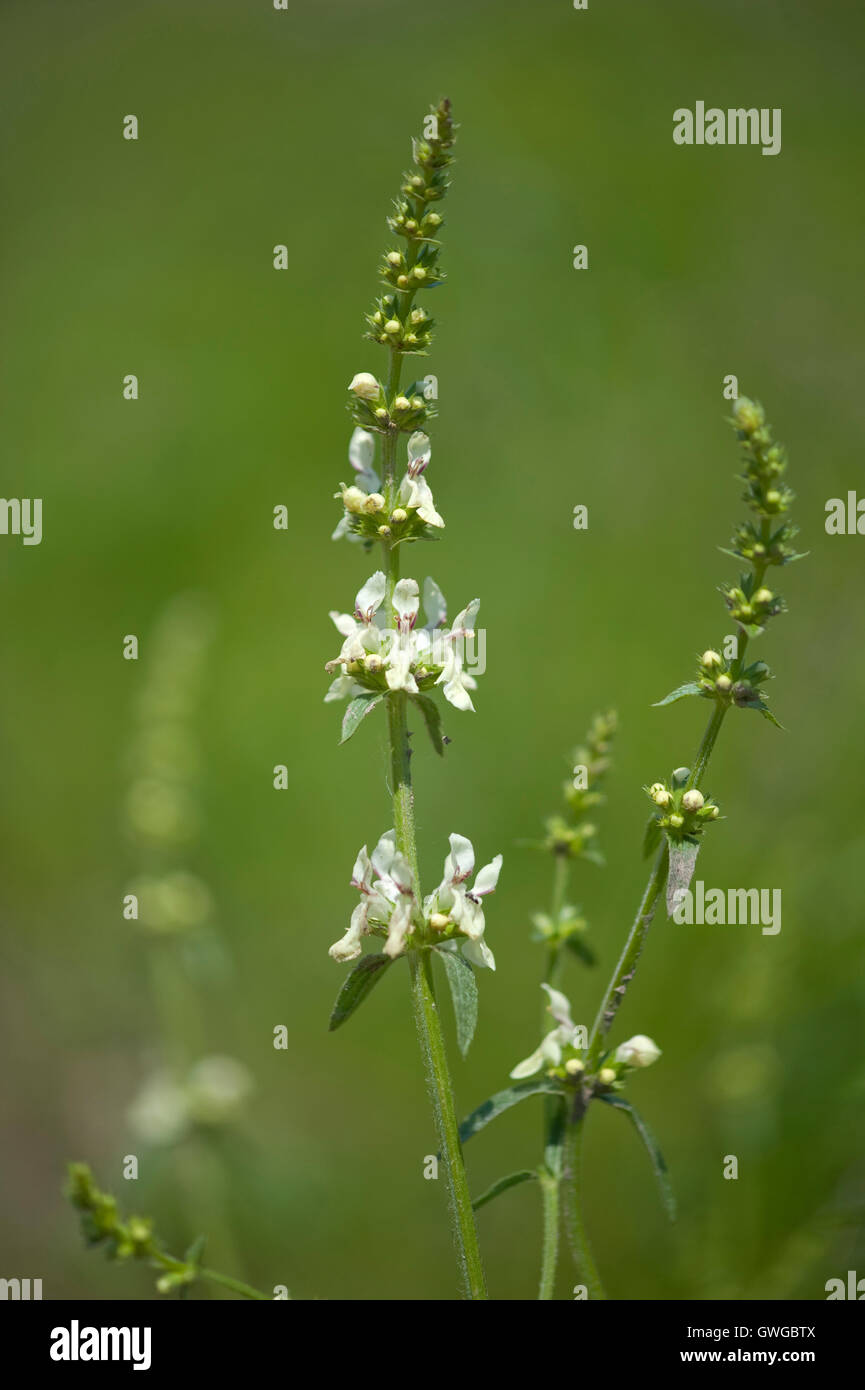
(577, 1235)
(550, 1254)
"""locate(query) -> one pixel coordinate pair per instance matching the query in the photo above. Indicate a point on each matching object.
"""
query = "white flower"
(461, 905)
(386, 900)
(384, 649)
(638, 1051)
(456, 680)
(365, 385)
(563, 1035)
(361, 452)
(216, 1089)
(414, 490)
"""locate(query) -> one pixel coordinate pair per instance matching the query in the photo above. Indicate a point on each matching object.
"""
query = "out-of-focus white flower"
(638, 1051)
(166, 1108)
(159, 1113)
(216, 1089)
(551, 1050)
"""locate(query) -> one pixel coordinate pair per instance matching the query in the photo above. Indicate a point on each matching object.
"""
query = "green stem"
(447, 1126)
(577, 1234)
(624, 971)
(236, 1285)
(550, 1252)
(426, 1014)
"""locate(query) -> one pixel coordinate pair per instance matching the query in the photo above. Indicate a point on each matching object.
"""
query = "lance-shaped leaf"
(503, 1100)
(659, 1167)
(680, 693)
(358, 709)
(683, 859)
(767, 714)
(524, 1175)
(581, 949)
(433, 720)
(363, 978)
(464, 993)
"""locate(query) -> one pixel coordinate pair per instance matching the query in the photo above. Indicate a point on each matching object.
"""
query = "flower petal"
(479, 953)
(559, 1006)
(460, 861)
(434, 606)
(487, 878)
(369, 598)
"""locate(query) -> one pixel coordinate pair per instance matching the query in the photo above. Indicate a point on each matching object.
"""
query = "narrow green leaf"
(503, 1100)
(195, 1252)
(365, 975)
(524, 1175)
(464, 993)
(433, 720)
(767, 714)
(681, 691)
(358, 709)
(683, 859)
(651, 1143)
(582, 949)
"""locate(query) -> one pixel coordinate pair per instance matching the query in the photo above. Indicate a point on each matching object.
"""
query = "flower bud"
(398, 515)
(373, 662)
(364, 384)
(659, 794)
(710, 659)
(374, 502)
(384, 530)
(419, 272)
(394, 258)
(392, 326)
(773, 497)
(353, 499)
(439, 920)
(606, 1076)
(381, 413)
(676, 821)
(748, 415)
(433, 220)
(763, 596)
(574, 1066)
(638, 1051)
(401, 403)
(693, 800)
(723, 684)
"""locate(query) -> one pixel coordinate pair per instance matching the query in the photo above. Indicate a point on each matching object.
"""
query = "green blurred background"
(556, 387)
